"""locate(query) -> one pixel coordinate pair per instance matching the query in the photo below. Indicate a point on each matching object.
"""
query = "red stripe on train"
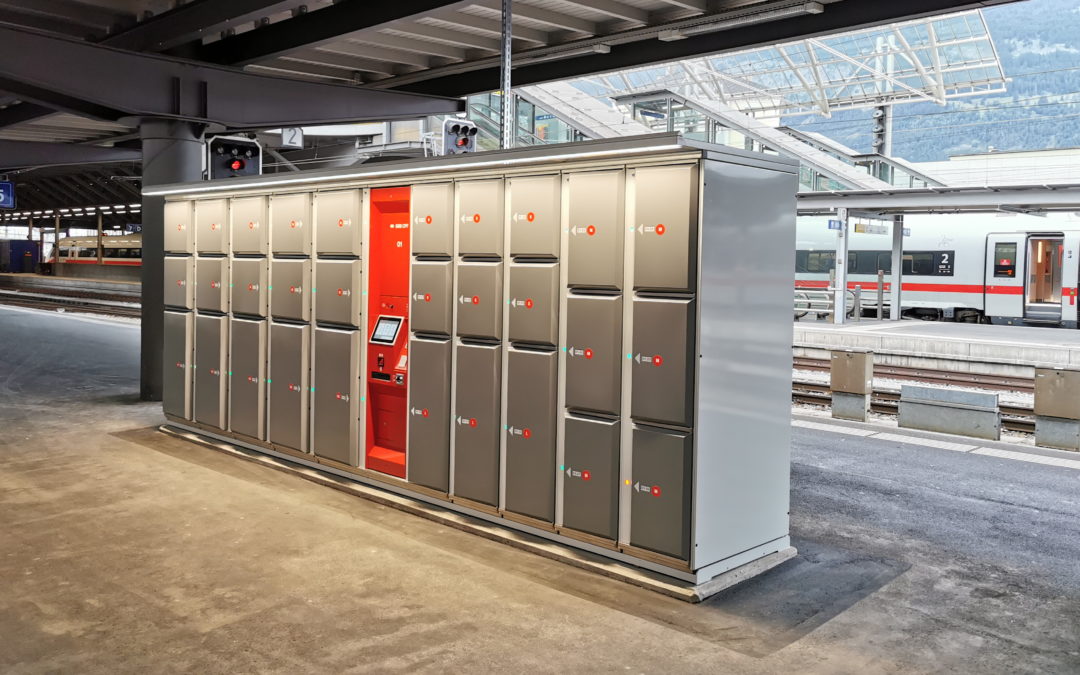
(94, 262)
(924, 288)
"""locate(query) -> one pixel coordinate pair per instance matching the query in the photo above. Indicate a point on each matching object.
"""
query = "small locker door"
(1005, 274)
(432, 208)
(660, 491)
(534, 303)
(428, 453)
(663, 361)
(248, 286)
(288, 385)
(211, 226)
(338, 292)
(480, 221)
(431, 306)
(247, 378)
(479, 300)
(339, 227)
(335, 410)
(290, 224)
(534, 215)
(595, 248)
(212, 284)
(290, 289)
(176, 363)
(591, 476)
(477, 423)
(211, 359)
(249, 225)
(179, 282)
(530, 444)
(594, 353)
(665, 228)
(179, 228)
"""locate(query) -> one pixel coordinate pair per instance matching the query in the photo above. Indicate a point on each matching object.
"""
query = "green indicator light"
(313, 290)
(564, 349)
(562, 467)
(268, 381)
(313, 389)
(269, 288)
(362, 398)
(631, 228)
(231, 285)
(230, 373)
(629, 356)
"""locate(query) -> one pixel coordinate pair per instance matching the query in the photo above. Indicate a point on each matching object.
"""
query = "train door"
(1005, 277)
(1042, 297)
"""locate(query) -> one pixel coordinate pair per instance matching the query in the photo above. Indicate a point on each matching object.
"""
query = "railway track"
(996, 382)
(83, 302)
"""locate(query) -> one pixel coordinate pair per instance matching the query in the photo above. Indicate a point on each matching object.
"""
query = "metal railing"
(821, 302)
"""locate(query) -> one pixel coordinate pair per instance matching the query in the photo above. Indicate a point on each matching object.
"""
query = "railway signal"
(233, 156)
(459, 136)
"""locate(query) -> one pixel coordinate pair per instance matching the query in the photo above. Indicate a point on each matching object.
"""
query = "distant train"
(116, 250)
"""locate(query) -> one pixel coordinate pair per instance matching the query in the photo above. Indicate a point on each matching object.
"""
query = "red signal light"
(462, 142)
(236, 164)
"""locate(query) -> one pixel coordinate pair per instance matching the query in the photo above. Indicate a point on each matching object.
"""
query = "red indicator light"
(251, 225)
(179, 282)
(341, 291)
(526, 433)
(585, 475)
(462, 142)
(590, 230)
(424, 412)
(236, 164)
(588, 353)
(656, 491)
(472, 422)
(528, 303)
(660, 229)
(341, 222)
(179, 228)
(427, 220)
(427, 297)
(292, 224)
(530, 216)
(657, 360)
(476, 218)
(251, 287)
(338, 395)
(476, 299)
(292, 289)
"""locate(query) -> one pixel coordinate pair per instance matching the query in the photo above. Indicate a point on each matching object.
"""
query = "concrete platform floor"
(125, 551)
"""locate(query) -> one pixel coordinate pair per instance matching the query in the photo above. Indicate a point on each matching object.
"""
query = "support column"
(840, 284)
(172, 153)
(100, 248)
(508, 123)
(897, 268)
(56, 243)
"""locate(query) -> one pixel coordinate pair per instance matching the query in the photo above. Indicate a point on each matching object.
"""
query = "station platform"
(118, 286)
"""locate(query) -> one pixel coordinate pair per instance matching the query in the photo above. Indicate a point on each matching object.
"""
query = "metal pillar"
(840, 285)
(507, 124)
(56, 241)
(172, 153)
(897, 268)
(100, 248)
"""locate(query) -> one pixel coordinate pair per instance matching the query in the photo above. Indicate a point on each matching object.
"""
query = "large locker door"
(591, 481)
(428, 453)
(594, 353)
(179, 282)
(665, 228)
(1005, 274)
(432, 208)
(534, 215)
(431, 305)
(211, 226)
(479, 299)
(249, 225)
(288, 395)
(290, 224)
(339, 296)
(661, 491)
(177, 360)
(338, 229)
(211, 364)
(480, 208)
(248, 286)
(530, 420)
(596, 229)
(179, 228)
(290, 289)
(534, 303)
(212, 284)
(335, 411)
(477, 423)
(664, 359)
(247, 377)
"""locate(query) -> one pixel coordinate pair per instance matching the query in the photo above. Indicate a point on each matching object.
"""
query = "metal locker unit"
(247, 377)
(335, 409)
(250, 228)
(179, 282)
(479, 299)
(338, 226)
(535, 213)
(477, 424)
(248, 287)
(534, 303)
(431, 305)
(433, 222)
(338, 291)
(290, 289)
(664, 359)
(530, 427)
(595, 250)
(428, 453)
(591, 476)
(290, 224)
(665, 228)
(211, 226)
(211, 366)
(594, 353)
(480, 217)
(212, 284)
(179, 228)
(287, 402)
(176, 363)
(661, 491)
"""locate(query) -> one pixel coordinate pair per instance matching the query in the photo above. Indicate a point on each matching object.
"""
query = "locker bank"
(590, 342)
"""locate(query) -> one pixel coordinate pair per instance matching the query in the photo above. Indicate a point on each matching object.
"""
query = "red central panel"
(388, 330)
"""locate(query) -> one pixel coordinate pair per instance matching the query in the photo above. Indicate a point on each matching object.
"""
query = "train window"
(919, 263)
(820, 262)
(112, 253)
(136, 252)
(884, 262)
(65, 252)
(1005, 260)
(87, 252)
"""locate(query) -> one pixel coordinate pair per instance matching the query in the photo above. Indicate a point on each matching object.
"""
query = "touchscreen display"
(386, 330)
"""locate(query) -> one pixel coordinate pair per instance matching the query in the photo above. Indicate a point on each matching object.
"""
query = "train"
(123, 249)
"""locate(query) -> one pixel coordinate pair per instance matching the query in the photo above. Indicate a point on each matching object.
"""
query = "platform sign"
(7, 194)
(836, 224)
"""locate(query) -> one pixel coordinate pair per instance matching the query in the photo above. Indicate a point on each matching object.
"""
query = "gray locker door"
(288, 385)
(594, 353)
(290, 289)
(339, 227)
(250, 228)
(248, 286)
(534, 303)
(431, 305)
(338, 292)
(290, 224)
(176, 364)
(179, 282)
(212, 284)
(480, 217)
(335, 410)
(479, 300)
(211, 226)
(477, 423)
(596, 229)
(247, 377)
(432, 219)
(179, 228)
(428, 451)
(665, 228)
(591, 481)
(661, 491)
(534, 215)
(211, 364)
(530, 445)
(664, 360)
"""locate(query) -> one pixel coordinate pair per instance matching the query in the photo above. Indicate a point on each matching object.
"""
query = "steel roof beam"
(16, 154)
(191, 21)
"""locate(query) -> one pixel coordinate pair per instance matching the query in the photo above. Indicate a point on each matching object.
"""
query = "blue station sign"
(7, 194)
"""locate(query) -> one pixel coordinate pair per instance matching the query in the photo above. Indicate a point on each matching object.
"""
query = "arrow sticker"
(655, 360)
